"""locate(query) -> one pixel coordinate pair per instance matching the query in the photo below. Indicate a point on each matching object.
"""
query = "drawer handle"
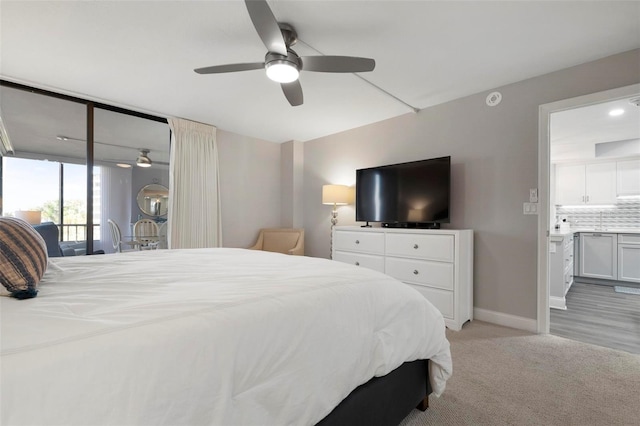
(415, 272)
(357, 263)
(415, 246)
(357, 241)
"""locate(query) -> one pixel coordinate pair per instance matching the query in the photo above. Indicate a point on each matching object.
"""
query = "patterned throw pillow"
(23, 257)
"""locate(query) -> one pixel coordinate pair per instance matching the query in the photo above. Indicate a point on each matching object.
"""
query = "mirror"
(153, 200)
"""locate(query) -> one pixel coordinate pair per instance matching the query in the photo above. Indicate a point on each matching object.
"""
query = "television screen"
(406, 194)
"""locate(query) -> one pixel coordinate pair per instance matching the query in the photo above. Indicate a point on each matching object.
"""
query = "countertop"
(559, 233)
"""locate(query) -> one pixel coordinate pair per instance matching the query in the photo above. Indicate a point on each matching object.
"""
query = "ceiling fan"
(281, 63)
(142, 160)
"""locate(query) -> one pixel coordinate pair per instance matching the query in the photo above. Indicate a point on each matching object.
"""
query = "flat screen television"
(412, 195)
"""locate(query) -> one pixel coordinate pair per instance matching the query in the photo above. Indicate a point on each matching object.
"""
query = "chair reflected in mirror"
(147, 234)
(118, 242)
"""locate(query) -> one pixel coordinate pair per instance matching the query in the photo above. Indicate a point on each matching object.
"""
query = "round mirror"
(153, 200)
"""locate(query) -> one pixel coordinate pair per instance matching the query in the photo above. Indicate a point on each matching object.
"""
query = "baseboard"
(506, 320)
(557, 303)
(611, 283)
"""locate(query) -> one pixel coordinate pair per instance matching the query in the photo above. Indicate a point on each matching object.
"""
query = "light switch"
(533, 195)
(530, 208)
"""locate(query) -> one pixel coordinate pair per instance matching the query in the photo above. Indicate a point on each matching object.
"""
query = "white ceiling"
(577, 133)
(141, 55)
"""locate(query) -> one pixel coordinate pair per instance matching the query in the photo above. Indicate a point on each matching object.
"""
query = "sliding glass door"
(44, 177)
(75, 163)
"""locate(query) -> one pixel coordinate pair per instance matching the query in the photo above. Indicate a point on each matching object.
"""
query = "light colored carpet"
(503, 376)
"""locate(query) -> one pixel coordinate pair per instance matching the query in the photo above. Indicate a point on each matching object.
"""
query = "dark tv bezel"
(398, 224)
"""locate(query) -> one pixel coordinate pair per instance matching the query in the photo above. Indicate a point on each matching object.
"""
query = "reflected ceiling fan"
(142, 160)
(281, 63)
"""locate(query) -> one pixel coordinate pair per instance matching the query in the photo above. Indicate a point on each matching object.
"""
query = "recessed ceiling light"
(616, 112)
(124, 165)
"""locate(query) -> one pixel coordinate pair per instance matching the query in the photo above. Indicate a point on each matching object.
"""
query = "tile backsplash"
(625, 214)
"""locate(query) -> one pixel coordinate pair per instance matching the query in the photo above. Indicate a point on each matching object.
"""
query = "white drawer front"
(432, 247)
(365, 260)
(629, 239)
(366, 242)
(441, 299)
(433, 274)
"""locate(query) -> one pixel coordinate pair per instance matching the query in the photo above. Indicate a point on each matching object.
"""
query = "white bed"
(207, 336)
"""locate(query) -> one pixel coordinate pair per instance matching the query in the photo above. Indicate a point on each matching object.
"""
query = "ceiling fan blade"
(216, 69)
(266, 25)
(337, 64)
(293, 92)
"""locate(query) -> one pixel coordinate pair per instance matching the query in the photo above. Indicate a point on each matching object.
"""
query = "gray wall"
(494, 163)
(249, 187)
(291, 176)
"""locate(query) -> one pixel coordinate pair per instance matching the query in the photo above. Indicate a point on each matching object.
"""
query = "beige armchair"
(281, 240)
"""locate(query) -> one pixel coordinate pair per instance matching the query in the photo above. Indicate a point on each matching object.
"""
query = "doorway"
(546, 218)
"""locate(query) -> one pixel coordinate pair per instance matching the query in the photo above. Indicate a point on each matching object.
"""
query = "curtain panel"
(194, 194)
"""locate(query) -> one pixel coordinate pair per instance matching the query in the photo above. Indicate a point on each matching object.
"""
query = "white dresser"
(438, 263)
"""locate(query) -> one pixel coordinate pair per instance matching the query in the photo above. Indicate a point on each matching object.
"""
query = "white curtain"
(194, 195)
(115, 203)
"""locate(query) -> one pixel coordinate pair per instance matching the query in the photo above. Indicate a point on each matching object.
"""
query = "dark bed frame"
(385, 400)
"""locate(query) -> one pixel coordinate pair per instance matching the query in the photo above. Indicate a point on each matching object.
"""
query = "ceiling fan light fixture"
(282, 71)
(143, 160)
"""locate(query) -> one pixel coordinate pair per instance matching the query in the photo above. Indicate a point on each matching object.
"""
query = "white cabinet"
(628, 177)
(570, 184)
(629, 257)
(586, 183)
(560, 269)
(599, 255)
(437, 263)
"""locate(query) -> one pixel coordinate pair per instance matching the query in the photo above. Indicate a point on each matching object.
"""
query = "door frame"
(544, 113)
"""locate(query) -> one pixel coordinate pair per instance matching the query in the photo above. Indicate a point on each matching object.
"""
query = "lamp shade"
(336, 194)
(32, 217)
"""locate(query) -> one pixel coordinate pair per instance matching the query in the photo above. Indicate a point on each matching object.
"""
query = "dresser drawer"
(365, 260)
(431, 247)
(423, 272)
(365, 242)
(441, 299)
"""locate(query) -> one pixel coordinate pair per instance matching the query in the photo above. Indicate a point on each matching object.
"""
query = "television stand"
(366, 226)
(438, 263)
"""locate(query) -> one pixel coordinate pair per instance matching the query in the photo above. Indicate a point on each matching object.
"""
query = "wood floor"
(597, 314)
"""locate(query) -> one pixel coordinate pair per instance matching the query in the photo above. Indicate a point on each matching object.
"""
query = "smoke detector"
(494, 98)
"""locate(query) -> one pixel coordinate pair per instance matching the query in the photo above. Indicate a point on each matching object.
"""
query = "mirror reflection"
(153, 200)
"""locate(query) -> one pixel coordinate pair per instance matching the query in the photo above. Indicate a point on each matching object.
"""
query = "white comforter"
(207, 336)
